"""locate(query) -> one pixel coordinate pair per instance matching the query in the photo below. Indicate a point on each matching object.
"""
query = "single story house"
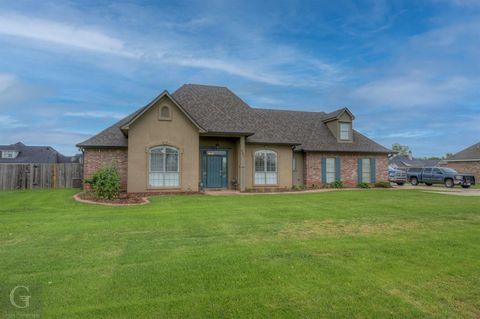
(466, 161)
(20, 153)
(404, 162)
(207, 137)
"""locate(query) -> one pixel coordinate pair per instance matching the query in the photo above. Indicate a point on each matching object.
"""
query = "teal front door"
(214, 169)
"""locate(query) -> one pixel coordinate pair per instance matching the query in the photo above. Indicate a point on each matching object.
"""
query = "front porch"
(222, 163)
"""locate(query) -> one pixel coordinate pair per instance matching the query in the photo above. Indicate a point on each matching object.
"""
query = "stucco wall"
(148, 131)
(298, 172)
(98, 158)
(348, 167)
(284, 168)
(223, 143)
(471, 167)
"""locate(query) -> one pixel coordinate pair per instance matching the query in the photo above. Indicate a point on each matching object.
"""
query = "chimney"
(410, 157)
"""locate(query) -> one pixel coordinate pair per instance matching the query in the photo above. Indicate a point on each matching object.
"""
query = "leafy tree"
(401, 149)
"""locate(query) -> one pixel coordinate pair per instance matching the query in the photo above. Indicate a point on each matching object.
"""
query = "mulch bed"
(123, 199)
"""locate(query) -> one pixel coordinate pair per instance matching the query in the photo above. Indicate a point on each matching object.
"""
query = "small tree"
(401, 149)
(105, 182)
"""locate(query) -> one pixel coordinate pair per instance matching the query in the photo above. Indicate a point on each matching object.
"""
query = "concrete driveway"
(439, 189)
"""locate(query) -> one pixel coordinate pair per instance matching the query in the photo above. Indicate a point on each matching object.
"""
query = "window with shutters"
(366, 170)
(164, 167)
(330, 170)
(265, 167)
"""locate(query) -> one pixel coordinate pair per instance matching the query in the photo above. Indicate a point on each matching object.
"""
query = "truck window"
(437, 171)
(427, 170)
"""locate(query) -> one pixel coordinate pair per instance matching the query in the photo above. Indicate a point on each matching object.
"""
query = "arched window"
(164, 167)
(266, 167)
(165, 113)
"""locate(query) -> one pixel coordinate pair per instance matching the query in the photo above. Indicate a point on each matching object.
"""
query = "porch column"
(241, 164)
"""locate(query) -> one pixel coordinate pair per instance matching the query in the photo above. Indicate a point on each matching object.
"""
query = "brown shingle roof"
(470, 153)
(218, 110)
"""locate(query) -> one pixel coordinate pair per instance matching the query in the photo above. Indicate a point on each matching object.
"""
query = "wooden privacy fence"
(28, 176)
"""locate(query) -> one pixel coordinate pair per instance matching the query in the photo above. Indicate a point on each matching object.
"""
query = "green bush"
(383, 184)
(363, 185)
(337, 184)
(298, 187)
(105, 182)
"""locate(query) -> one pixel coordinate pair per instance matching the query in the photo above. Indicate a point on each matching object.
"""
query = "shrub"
(337, 184)
(363, 185)
(383, 184)
(298, 187)
(105, 182)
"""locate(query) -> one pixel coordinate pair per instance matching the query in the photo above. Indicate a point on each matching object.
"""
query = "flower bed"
(123, 199)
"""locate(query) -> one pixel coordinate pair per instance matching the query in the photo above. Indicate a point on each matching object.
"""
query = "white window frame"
(366, 162)
(163, 178)
(265, 176)
(348, 131)
(9, 154)
(330, 170)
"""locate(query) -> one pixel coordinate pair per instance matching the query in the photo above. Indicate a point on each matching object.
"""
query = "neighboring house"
(403, 162)
(20, 153)
(466, 161)
(207, 137)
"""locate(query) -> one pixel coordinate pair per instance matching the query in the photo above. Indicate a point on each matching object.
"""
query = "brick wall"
(97, 158)
(348, 167)
(466, 167)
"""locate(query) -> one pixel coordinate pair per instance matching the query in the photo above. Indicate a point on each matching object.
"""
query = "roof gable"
(145, 109)
(470, 153)
(337, 115)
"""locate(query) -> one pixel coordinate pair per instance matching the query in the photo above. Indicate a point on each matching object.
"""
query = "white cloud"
(411, 91)
(12, 91)
(276, 65)
(96, 114)
(8, 122)
(62, 33)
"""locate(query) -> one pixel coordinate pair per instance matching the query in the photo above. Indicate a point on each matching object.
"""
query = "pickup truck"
(397, 176)
(439, 175)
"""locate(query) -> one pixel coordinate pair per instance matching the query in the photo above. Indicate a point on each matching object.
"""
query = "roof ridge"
(204, 85)
(281, 110)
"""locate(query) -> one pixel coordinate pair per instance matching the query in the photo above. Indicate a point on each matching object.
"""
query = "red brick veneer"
(348, 167)
(97, 158)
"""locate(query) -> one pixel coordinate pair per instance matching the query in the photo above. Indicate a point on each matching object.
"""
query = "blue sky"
(409, 70)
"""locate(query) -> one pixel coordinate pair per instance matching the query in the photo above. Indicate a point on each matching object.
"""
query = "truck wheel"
(428, 184)
(449, 183)
(414, 181)
(400, 184)
(465, 186)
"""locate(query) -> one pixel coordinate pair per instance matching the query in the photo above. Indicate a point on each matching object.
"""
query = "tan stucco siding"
(284, 166)
(297, 170)
(223, 143)
(148, 131)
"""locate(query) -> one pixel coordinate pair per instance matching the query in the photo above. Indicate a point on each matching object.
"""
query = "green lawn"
(372, 253)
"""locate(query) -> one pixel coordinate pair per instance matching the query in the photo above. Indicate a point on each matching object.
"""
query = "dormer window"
(165, 114)
(9, 154)
(345, 131)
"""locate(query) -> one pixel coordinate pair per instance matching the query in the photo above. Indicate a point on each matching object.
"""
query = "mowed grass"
(372, 253)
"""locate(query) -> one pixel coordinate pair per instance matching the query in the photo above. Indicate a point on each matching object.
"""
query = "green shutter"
(359, 170)
(373, 172)
(337, 169)
(324, 170)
